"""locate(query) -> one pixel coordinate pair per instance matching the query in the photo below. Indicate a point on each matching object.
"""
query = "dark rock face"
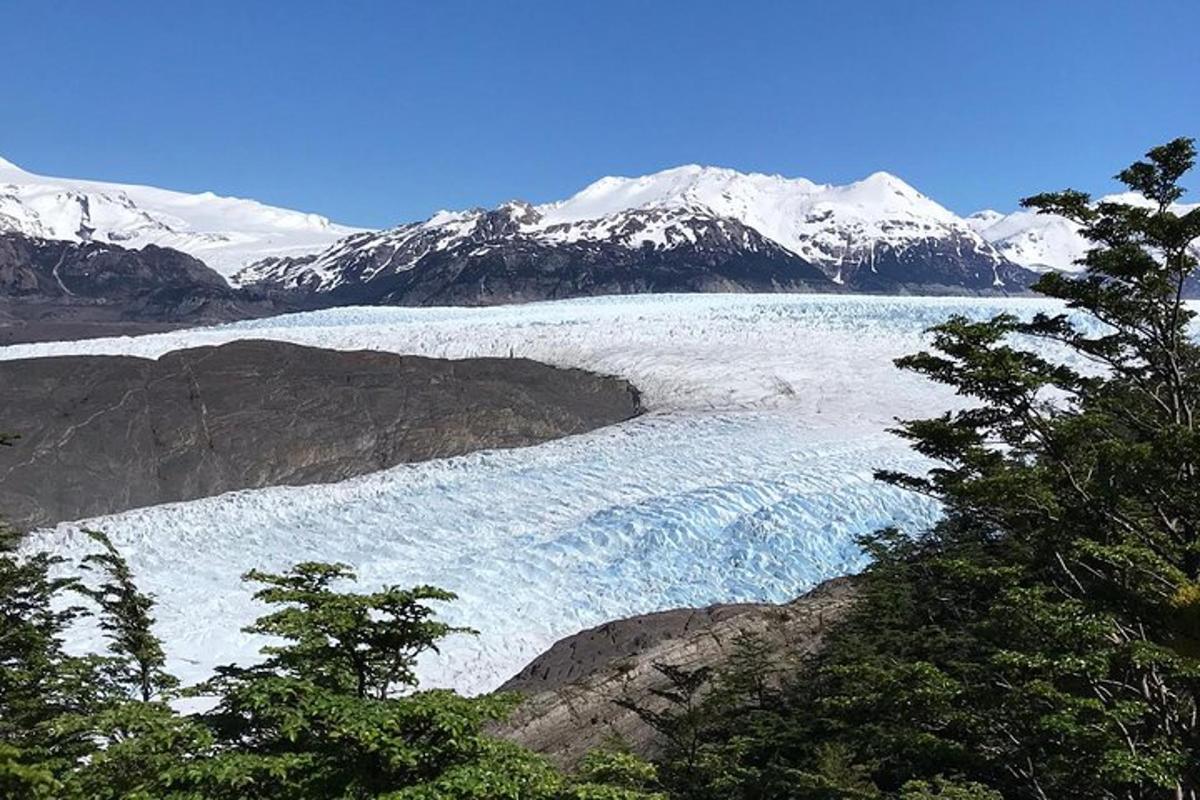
(570, 690)
(101, 434)
(54, 288)
(576, 657)
(936, 266)
(500, 256)
(521, 273)
(496, 263)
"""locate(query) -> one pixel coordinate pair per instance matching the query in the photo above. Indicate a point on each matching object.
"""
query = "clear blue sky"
(379, 112)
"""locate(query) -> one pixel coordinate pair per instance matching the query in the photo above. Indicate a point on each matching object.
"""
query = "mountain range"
(226, 233)
(690, 228)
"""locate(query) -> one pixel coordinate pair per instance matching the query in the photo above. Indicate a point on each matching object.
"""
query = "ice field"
(747, 478)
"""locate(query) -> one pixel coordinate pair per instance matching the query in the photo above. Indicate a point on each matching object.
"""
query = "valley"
(747, 478)
(599, 401)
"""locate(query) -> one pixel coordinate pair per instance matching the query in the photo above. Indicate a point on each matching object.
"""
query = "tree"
(613, 775)
(41, 685)
(334, 710)
(1042, 640)
(138, 662)
(676, 712)
(367, 644)
(1083, 489)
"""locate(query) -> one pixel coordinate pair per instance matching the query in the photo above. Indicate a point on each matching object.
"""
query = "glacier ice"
(747, 479)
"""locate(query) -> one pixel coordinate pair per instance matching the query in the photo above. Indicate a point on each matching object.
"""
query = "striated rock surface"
(101, 434)
(571, 688)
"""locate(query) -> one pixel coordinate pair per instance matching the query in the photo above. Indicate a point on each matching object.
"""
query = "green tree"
(334, 712)
(614, 775)
(41, 685)
(1042, 640)
(677, 714)
(943, 789)
(137, 661)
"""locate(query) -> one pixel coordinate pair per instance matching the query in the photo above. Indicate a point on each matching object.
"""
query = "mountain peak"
(881, 182)
(981, 220)
(8, 166)
(226, 233)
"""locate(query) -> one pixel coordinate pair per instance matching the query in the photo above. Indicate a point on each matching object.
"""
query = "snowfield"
(747, 479)
(227, 233)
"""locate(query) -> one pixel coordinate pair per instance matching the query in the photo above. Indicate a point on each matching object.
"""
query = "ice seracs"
(748, 478)
(227, 233)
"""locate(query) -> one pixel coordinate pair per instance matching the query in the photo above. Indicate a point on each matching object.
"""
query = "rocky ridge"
(685, 229)
(101, 434)
(58, 289)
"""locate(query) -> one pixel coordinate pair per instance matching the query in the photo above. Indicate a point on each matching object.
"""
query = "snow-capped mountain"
(688, 228)
(1044, 242)
(834, 227)
(226, 233)
(1040, 242)
(511, 254)
(53, 289)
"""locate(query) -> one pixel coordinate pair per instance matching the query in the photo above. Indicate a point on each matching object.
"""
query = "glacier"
(747, 478)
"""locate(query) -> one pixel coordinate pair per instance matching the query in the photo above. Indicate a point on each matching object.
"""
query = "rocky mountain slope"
(485, 257)
(570, 689)
(227, 233)
(61, 289)
(685, 229)
(104, 433)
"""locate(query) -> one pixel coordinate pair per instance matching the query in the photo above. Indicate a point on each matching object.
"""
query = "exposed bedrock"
(100, 434)
(68, 290)
(571, 689)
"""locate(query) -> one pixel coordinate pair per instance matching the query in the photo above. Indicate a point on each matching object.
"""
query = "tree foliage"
(1041, 642)
(333, 710)
(1043, 639)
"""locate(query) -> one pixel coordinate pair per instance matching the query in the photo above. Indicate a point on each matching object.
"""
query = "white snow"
(1040, 242)
(821, 222)
(1043, 242)
(227, 233)
(825, 224)
(747, 480)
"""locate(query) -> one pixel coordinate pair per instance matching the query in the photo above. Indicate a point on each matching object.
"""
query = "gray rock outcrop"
(101, 434)
(571, 689)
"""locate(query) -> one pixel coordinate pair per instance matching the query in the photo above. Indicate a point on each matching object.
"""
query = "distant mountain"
(685, 229)
(226, 233)
(62, 289)
(1044, 242)
(507, 255)
(1039, 242)
(690, 228)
